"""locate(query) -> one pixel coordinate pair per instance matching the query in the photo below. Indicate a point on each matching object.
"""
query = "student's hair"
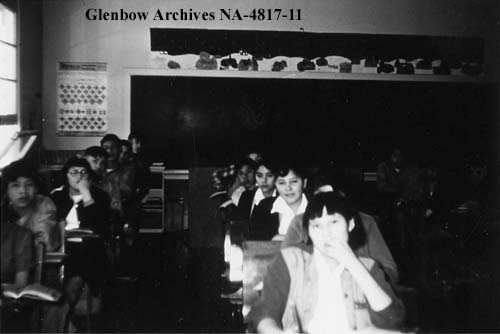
(111, 137)
(19, 168)
(136, 136)
(126, 143)
(282, 169)
(96, 152)
(271, 165)
(16, 169)
(246, 161)
(340, 180)
(76, 162)
(334, 203)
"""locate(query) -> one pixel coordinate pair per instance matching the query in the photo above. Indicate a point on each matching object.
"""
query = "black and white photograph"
(287, 166)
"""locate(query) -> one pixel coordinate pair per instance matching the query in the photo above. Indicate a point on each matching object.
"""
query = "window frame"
(13, 118)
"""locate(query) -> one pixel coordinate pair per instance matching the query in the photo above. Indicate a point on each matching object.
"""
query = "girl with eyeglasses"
(82, 206)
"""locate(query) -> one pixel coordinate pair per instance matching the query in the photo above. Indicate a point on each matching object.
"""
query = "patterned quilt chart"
(82, 103)
(76, 119)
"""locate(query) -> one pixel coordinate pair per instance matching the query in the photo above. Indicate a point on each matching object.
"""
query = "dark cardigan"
(264, 225)
(93, 217)
(245, 205)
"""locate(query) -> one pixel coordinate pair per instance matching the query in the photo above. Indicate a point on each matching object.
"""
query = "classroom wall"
(69, 36)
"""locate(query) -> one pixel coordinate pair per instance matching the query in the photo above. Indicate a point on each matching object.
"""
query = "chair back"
(39, 258)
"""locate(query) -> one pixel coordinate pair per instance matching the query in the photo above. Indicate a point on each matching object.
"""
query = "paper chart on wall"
(82, 99)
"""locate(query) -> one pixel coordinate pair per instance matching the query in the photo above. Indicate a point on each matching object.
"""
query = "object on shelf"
(173, 65)
(472, 68)
(441, 67)
(305, 65)
(279, 66)
(255, 64)
(322, 64)
(335, 61)
(356, 66)
(275, 64)
(422, 66)
(226, 63)
(245, 65)
(321, 61)
(385, 68)
(456, 68)
(345, 67)
(404, 67)
(369, 65)
(206, 62)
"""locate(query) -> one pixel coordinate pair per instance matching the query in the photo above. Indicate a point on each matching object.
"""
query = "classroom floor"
(177, 290)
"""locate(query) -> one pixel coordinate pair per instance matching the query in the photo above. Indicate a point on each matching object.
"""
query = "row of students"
(97, 190)
(333, 257)
(275, 210)
(323, 286)
(80, 205)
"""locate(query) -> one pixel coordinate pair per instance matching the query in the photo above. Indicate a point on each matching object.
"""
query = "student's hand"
(84, 188)
(83, 185)
(41, 237)
(342, 252)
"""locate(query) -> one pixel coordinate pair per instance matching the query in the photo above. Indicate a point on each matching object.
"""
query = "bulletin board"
(82, 99)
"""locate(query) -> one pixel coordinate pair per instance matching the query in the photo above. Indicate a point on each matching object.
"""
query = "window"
(8, 65)
(9, 123)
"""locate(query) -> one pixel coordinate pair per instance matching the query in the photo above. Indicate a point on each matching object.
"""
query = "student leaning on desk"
(323, 287)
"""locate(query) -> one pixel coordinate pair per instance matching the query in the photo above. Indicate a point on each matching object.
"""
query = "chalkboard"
(210, 121)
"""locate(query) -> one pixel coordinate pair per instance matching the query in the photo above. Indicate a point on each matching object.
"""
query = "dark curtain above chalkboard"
(311, 45)
(211, 121)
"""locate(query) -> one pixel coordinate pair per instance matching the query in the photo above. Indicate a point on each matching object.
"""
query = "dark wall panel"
(211, 121)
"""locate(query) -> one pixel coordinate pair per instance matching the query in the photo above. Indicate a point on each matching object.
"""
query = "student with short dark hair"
(373, 246)
(273, 215)
(121, 184)
(265, 178)
(118, 180)
(25, 207)
(244, 180)
(323, 287)
(96, 156)
(136, 140)
(83, 206)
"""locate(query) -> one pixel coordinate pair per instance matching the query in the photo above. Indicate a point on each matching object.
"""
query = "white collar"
(287, 214)
(259, 196)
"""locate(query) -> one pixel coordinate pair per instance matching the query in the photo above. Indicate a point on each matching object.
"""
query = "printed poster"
(82, 99)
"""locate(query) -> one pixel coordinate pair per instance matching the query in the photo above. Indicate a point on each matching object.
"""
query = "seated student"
(37, 213)
(96, 156)
(274, 214)
(16, 254)
(323, 287)
(120, 184)
(245, 179)
(83, 206)
(249, 199)
(16, 263)
(125, 156)
(136, 140)
(131, 154)
(24, 206)
(374, 247)
(118, 180)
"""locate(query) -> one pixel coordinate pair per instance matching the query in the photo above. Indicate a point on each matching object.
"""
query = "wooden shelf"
(307, 75)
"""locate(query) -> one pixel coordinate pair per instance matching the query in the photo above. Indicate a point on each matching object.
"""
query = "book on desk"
(35, 291)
